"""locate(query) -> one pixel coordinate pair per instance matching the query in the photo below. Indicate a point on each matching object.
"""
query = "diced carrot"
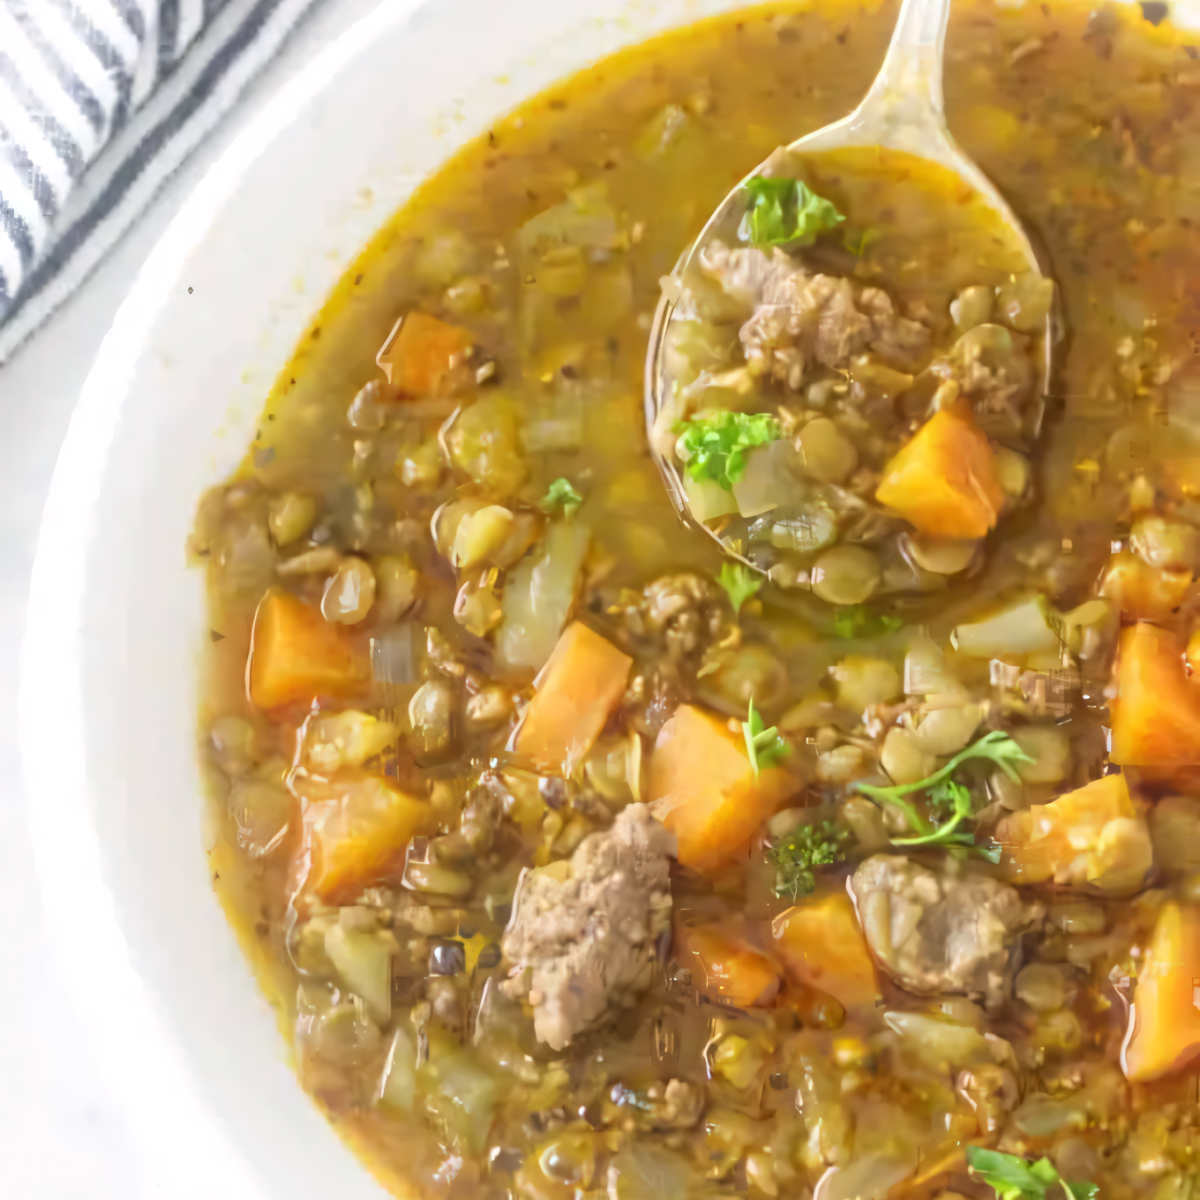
(295, 654)
(355, 829)
(1095, 835)
(703, 788)
(1143, 592)
(424, 356)
(725, 967)
(943, 480)
(1156, 709)
(821, 945)
(1164, 1023)
(578, 688)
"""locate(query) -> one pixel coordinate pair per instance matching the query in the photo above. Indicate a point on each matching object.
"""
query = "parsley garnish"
(857, 243)
(856, 621)
(818, 845)
(1013, 1178)
(739, 582)
(953, 801)
(561, 494)
(785, 212)
(715, 447)
(764, 747)
(946, 797)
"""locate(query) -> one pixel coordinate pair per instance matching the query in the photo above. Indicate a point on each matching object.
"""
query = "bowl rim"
(138, 1059)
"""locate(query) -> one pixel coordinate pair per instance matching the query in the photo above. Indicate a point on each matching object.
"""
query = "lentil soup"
(580, 859)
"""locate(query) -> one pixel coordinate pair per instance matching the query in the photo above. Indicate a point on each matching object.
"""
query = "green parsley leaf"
(739, 582)
(764, 747)
(997, 747)
(1013, 1178)
(715, 447)
(785, 212)
(958, 799)
(947, 797)
(857, 621)
(817, 845)
(562, 495)
(857, 243)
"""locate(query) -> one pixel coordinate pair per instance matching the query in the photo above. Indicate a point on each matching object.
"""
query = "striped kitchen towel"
(100, 100)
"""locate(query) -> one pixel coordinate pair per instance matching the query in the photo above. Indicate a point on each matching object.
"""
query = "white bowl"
(116, 622)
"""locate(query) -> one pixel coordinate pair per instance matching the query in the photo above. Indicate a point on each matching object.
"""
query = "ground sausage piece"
(799, 319)
(940, 932)
(581, 941)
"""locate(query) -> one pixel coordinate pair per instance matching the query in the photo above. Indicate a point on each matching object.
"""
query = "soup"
(582, 859)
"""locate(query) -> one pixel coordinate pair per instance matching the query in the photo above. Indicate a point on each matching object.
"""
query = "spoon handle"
(905, 101)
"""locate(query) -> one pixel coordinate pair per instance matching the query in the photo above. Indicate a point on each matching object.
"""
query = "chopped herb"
(947, 798)
(560, 495)
(785, 212)
(996, 746)
(857, 621)
(1013, 1178)
(857, 243)
(739, 582)
(764, 747)
(715, 447)
(807, 846)
(958, 799)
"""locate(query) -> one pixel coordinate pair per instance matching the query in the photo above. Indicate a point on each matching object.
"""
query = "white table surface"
(61, 1137)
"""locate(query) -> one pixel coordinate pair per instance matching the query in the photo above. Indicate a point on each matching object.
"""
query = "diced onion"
(398, 1082)
(768, 481)
(539, 595)
(642, 1171)
(707, 499)
(943, 1041)
(870, 1175)
(1028, 626)
(363, 962)
(392, 656)
(926, 672)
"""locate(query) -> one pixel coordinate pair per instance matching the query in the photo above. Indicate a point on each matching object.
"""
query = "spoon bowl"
(902, 116)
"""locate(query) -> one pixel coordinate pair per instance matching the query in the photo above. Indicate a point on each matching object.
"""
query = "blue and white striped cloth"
(100, 100)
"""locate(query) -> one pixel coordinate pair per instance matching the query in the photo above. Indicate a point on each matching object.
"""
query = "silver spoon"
(903, 110)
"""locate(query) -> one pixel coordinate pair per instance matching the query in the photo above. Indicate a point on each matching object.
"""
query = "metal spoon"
(903, 110)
